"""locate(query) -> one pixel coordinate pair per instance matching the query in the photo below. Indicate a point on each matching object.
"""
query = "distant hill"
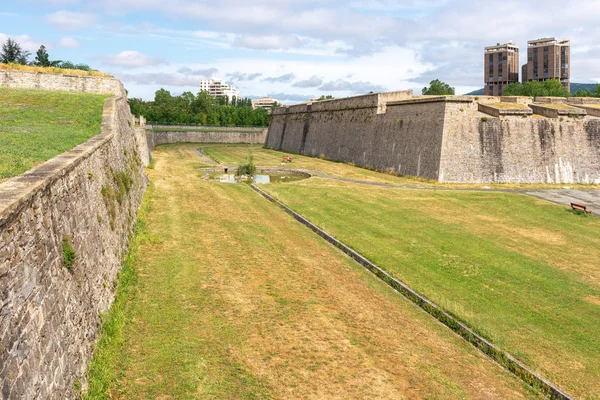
(574, 87)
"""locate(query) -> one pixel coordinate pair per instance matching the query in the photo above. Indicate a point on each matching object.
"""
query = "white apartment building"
(265, 102)
(216, 87)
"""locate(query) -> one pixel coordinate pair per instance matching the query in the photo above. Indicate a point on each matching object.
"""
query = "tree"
(42, 59)
(438, 88)
(550, 87)
(13, 53)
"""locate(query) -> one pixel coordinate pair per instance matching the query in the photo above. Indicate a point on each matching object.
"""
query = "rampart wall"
(87, 199)
(157, 135)
(69, 83)
(445, 138)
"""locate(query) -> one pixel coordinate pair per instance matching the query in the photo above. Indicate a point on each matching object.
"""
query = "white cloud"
(70, 21)
(283, 78)
(313, 81)
(133, 59)
(267, 42)
(354, 87)
(68, 42)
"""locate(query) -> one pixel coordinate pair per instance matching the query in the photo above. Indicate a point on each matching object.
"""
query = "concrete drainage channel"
(498, 355)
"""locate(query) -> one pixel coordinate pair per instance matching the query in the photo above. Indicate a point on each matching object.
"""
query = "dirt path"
(239, 301)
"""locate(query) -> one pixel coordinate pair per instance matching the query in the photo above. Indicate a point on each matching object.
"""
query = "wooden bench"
(579, 207)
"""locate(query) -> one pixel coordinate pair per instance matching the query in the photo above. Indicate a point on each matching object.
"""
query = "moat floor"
(238, 301)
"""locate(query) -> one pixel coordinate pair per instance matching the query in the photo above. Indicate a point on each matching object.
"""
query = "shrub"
(248, 169)
(69, 254)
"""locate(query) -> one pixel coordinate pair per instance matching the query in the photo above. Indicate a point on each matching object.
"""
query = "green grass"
(523, 272)
(37, 125)
(104, 370)
(236, 300)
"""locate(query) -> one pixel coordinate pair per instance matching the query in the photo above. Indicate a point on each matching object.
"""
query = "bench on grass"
(579, 207)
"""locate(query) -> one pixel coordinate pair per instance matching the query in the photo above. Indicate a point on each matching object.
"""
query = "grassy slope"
(237, 300)
(524, 272)
(37, 125)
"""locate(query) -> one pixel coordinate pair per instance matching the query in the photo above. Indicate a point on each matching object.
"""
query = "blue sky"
(295, 50)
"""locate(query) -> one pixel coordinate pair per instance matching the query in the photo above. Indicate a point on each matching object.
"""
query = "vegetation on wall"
(200, 109)
(13, 53)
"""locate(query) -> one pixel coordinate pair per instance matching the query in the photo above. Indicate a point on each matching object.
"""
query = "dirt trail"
(239, 301)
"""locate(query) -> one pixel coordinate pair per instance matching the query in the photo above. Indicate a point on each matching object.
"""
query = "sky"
(295, 50)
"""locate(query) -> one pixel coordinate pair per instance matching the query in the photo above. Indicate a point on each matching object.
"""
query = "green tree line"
(550, 87)
(13, 53)
(200, 109)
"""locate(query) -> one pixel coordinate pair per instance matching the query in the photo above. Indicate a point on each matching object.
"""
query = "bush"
(248, 169)
(69, 254)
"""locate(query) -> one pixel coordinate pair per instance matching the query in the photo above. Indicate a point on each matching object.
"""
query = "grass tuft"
(69, 254)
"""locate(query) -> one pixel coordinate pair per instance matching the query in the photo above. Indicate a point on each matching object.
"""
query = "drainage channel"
(503, 358)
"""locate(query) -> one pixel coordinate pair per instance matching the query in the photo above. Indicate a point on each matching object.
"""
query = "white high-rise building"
(216, 87)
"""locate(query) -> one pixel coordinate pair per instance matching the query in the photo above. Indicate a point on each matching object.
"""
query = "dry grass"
(508, 106)
(557, 106)
(51, 70)
(237, 300)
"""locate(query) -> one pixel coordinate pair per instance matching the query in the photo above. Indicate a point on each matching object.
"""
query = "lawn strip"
(520, 271)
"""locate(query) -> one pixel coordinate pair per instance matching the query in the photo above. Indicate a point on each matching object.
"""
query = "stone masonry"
(445, 138)
(156, 135)
(88, 197)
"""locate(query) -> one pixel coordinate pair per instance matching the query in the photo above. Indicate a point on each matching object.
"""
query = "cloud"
(313, 81)
(70, 21)
(280, 79)
(68, 42)
(269, 42)
(239, 76)
(133, 59)
(205, 73)
(288, 97)
(354, 87)
(159, 79)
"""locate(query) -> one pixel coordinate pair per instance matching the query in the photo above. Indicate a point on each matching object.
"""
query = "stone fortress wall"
(157, 135)
(445, 138)
(87, 197)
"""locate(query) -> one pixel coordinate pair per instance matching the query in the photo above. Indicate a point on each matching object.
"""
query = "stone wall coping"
(583, 100)
(16, 192)
(435, 99)
(551, 99)
(497, 112)
(555, 112)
